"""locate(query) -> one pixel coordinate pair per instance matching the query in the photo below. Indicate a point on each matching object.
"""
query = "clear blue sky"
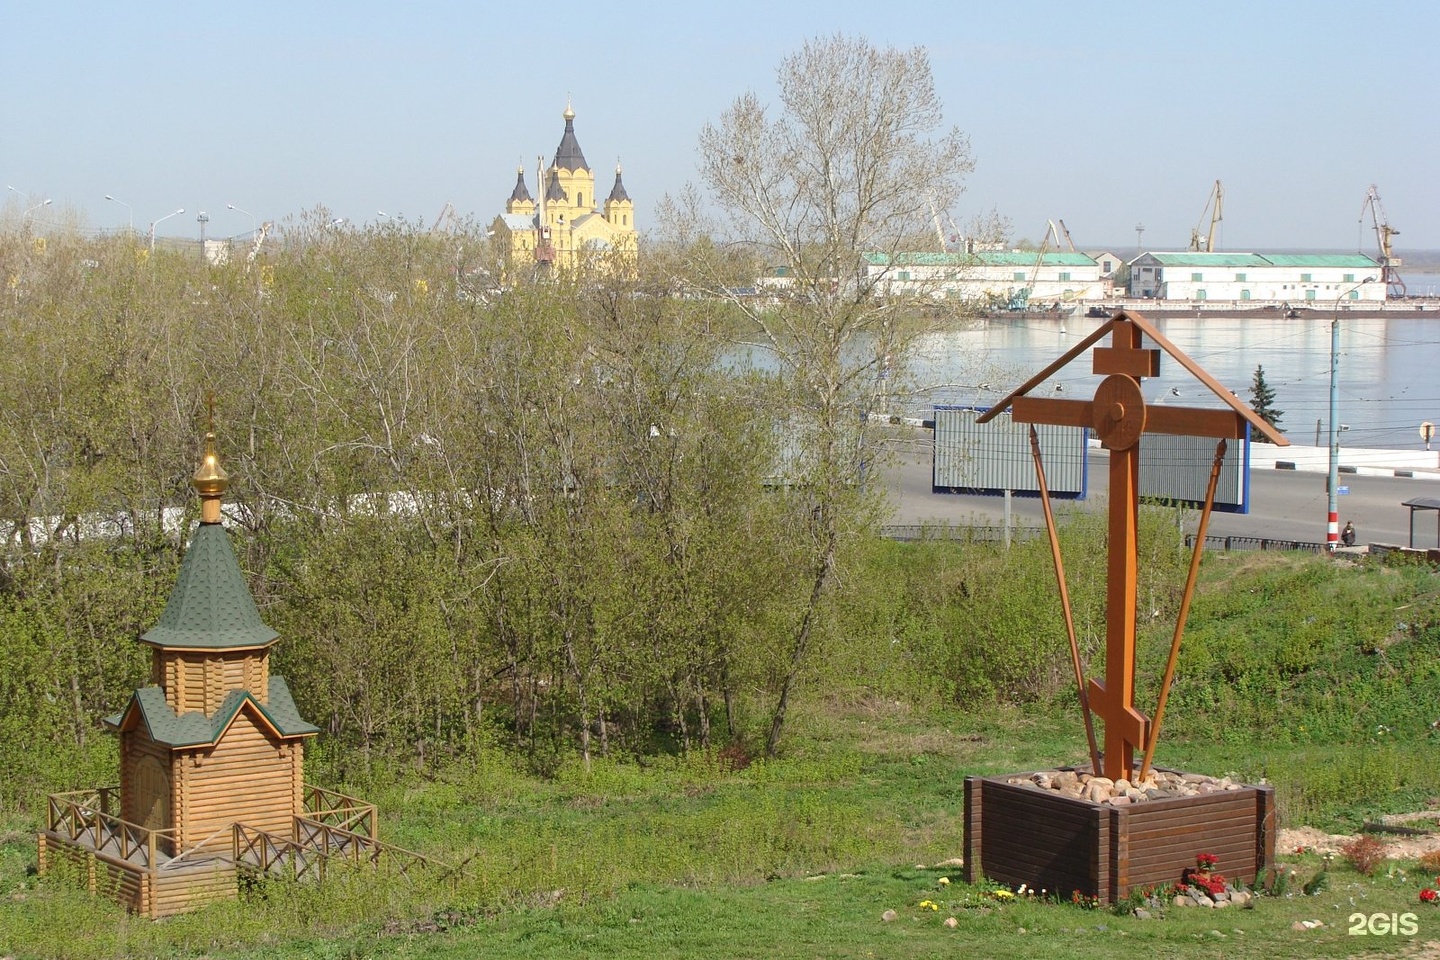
(1104, 115)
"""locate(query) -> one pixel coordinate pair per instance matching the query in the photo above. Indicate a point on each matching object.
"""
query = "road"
(1284, 504)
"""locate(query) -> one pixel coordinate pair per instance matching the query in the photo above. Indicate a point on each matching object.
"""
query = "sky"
(1103, 115)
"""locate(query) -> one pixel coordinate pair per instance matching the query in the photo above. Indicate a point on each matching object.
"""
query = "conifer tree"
(1262, 399)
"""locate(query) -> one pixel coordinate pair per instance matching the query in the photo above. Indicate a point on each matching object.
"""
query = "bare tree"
(826, 192)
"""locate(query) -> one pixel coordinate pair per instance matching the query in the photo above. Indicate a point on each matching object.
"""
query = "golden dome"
(210, 479)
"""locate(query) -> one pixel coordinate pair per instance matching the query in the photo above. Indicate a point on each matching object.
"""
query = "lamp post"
(129, 210)
(231, 206)
(1332, 528)
(26, 215)
(154, 223)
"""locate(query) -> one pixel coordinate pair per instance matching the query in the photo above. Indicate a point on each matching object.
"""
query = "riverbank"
(1408, 307)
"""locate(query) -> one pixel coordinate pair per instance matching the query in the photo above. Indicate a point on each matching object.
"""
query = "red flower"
(1428, 896)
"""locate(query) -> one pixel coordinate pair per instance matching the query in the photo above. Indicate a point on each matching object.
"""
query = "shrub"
(1364, 853)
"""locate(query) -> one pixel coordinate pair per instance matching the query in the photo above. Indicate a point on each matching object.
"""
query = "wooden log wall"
(114, 879)
(248, 777)
(178, 890)
(153, 894)
(135, 747)
(199, 680)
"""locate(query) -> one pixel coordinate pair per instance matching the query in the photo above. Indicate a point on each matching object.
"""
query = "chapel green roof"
(210, 607)
(194, 729)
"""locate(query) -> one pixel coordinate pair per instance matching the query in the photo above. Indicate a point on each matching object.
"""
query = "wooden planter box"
(1017, 834)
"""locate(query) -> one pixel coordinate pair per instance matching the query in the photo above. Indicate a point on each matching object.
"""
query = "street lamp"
(154, 223)
(231, 206)
(130, 211)
(1332, 529)
(25, 215)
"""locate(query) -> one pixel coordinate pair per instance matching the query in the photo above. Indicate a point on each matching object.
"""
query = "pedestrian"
(1347, 536)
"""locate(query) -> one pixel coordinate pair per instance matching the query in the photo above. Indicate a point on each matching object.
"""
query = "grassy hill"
(1323, 677)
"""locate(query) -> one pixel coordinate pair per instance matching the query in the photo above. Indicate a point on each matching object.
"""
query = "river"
(1389, 369)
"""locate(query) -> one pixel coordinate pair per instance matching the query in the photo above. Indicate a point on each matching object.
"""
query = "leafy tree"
(1262, 399)
(826, 193)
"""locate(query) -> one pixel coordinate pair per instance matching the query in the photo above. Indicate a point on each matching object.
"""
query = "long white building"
(1293, 278)
(1006, 277)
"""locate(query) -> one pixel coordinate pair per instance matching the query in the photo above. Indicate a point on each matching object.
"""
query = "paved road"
(1284, 504)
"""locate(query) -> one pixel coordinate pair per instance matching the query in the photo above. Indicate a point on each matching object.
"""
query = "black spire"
(520, 194)
(618, 191)
(568, 155)
(553, 190)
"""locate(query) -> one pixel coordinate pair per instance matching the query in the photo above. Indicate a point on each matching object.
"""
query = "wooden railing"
(80, 817)
(334, 827)
(315, 846)
(96, 798)
(265, 852)
(339, 843)
(338, 810)
(207, 847)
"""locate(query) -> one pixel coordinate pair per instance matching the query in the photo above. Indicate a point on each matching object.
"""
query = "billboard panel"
(1178, 469)
(994, 457)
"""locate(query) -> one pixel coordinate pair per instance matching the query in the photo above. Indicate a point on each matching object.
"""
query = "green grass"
(794, 857)
(800, 856)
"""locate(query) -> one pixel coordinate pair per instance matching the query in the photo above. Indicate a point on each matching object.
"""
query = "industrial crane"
(1213, 204)
(1394, 286)
(1068, 242)
(1020, 299)
(445, 220)
(935, 217)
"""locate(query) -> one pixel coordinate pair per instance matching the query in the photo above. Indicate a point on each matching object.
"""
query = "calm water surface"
(1389, 378)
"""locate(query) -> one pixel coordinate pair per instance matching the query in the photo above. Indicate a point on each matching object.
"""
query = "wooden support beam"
(1065, 413)
(1132, 363)
(1194, 422)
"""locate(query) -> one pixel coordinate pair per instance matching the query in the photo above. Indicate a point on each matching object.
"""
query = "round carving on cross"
(1119, 412)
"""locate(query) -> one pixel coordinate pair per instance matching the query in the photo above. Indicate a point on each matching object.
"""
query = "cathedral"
(567, 224)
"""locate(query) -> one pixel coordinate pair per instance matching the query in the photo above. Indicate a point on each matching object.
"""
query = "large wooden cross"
(1119, 417)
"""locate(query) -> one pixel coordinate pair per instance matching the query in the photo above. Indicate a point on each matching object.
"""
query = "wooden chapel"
(215, 739)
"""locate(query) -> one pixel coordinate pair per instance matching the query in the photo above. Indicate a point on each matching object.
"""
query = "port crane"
(1213, 205)
(1020, 299)
(259, 244)
(1065, 230)
(445, 221)
(1394, 286)
(939, 231)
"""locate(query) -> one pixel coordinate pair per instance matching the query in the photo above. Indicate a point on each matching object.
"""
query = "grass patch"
(684, 857)
(1317, 678)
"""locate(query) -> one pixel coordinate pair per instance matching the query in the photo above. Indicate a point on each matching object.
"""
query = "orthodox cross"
(1119, 417)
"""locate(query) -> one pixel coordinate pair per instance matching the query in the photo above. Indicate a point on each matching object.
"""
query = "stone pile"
(1230, 897)
(1158, 785)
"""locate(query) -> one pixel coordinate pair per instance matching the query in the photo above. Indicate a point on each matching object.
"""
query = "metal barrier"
(1257, 543)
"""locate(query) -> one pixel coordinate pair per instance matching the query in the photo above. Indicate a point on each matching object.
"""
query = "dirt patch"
(1397, 847)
